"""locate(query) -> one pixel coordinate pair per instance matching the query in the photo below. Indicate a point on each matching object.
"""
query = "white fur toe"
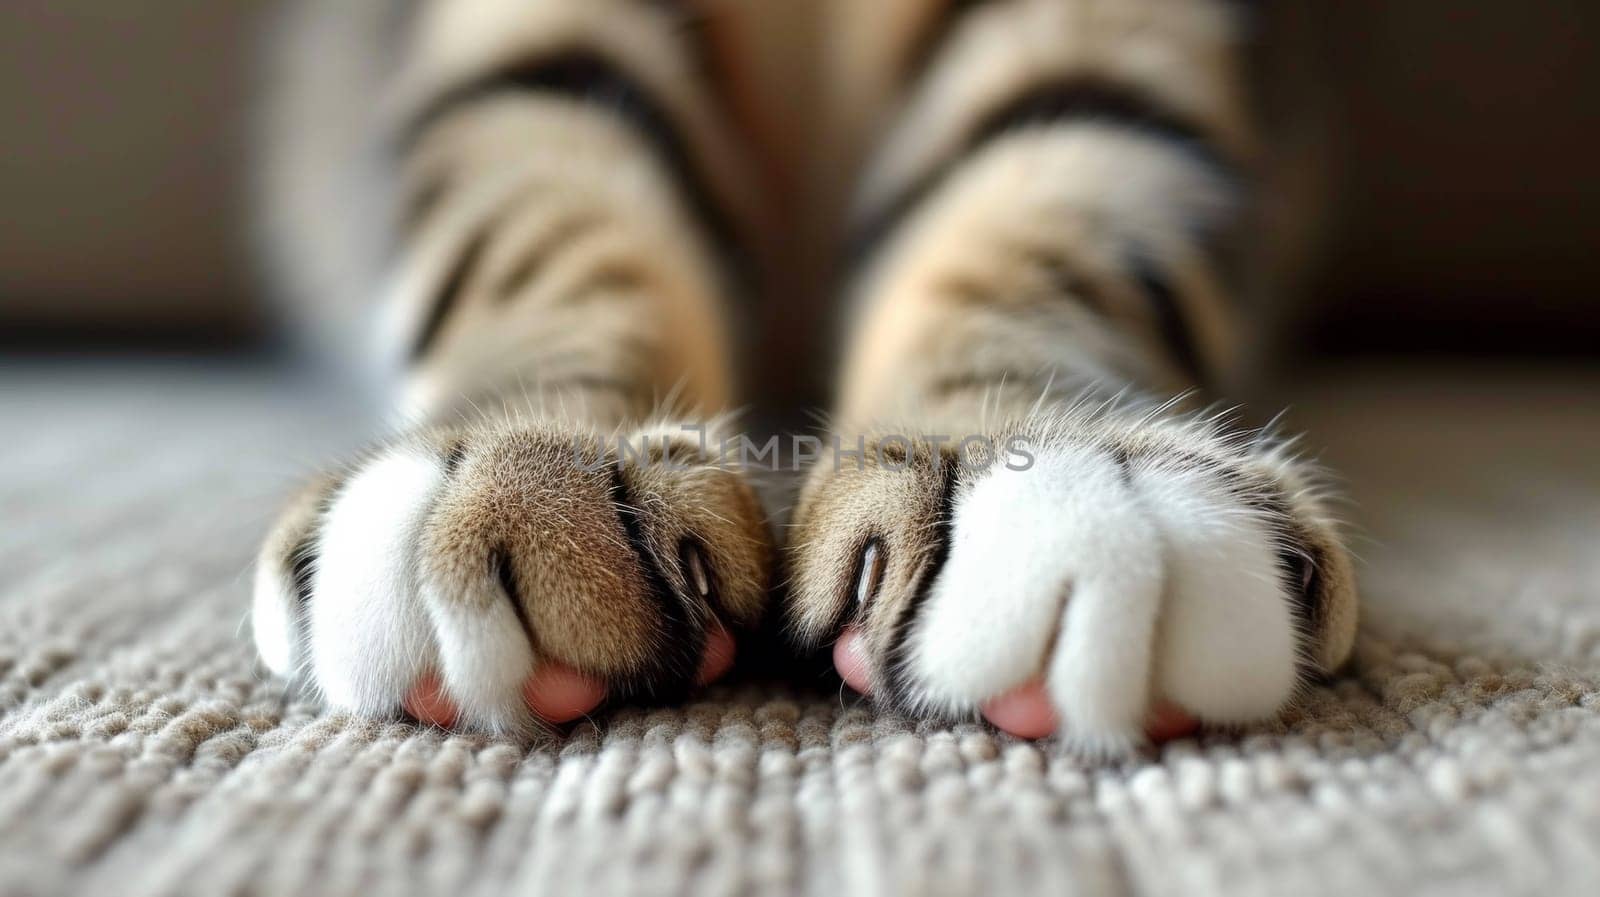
(1052, 570)
(370, 637)
(275, 616)
(485, 648)
(1120, 583)
(1227, 644)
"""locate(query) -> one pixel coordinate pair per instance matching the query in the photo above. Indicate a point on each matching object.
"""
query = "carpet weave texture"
(142, 752)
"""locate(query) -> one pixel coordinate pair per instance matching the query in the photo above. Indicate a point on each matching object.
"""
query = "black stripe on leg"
(423, 199)
(935, 33)
(993, 382)
(1066, 281)
(605, 280)
(535, 256)
(897, 687)
(691, 22)
(1058, 102)
(682, 640)
(1176, 335)
(588, 76)
(450, 291)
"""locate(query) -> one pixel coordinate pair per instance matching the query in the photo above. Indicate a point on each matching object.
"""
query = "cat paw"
(1107, 578)
(501, 578)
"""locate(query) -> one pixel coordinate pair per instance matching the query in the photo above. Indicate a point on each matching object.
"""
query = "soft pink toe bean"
(1024, 711)
(850, 659)
(1168, 721)
(427, 702)
(718, 658)
(561, 694)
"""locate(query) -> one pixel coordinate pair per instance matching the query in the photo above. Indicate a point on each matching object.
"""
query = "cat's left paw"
(1115, 580)
(504, 576)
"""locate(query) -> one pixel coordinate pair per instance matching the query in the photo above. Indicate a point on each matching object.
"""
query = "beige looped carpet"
(141, 752)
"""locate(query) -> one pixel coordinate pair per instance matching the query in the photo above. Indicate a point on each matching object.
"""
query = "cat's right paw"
(1117, 579)
(502, 577)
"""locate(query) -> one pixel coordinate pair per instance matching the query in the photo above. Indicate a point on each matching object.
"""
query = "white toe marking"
(273, 611)
(1165, 587)
(1099, 675)
(1226, 643)
(1060, 547)
(485, 651)
(370, 637)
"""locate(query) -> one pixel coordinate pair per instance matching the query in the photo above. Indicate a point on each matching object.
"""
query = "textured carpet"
(141, 752)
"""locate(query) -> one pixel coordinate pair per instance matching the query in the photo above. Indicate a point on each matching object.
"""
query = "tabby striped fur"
(557, 218)
(1042, 248)
(562, 206)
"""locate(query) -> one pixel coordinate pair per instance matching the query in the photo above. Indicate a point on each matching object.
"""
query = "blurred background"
(1454, 148)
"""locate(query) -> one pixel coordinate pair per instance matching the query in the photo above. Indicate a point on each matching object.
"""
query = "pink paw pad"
(718, 657)
(850, 659)
(429, 705)
(560, 694)
(556, 692)
(1024, 711)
